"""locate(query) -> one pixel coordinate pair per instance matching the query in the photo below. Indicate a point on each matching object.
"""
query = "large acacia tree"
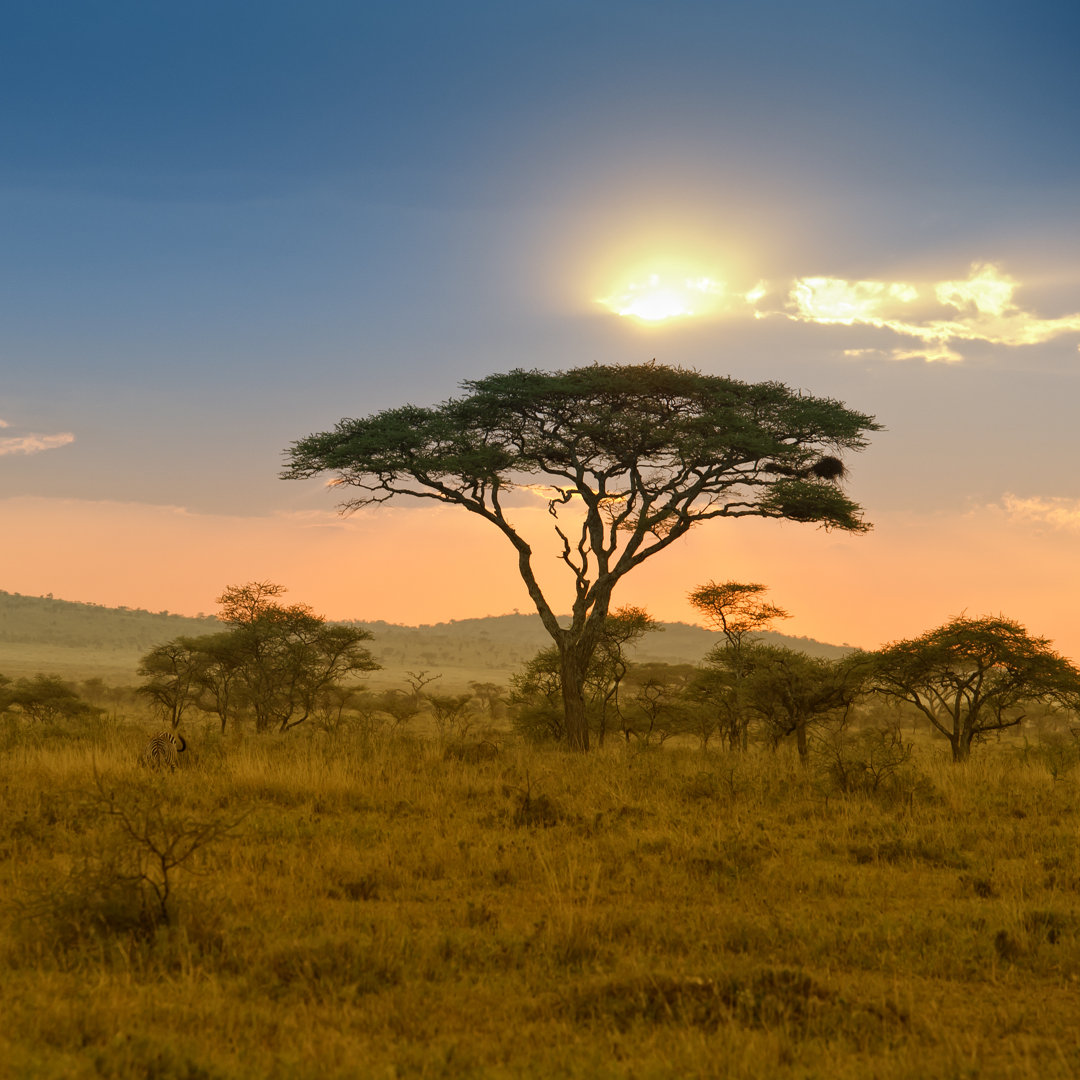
(634, 458)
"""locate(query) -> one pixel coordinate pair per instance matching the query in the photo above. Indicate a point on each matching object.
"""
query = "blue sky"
(226, 225)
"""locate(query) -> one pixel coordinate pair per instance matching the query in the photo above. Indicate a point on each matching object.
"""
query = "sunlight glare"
(659, 297)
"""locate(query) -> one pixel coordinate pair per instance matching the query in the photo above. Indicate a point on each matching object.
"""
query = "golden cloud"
(33, 444)
(982, 309)
(1055, 511)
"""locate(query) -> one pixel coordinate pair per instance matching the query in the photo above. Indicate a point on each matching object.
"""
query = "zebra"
(164, 748)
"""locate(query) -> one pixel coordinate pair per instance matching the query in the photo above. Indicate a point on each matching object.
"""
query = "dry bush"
(472, 753)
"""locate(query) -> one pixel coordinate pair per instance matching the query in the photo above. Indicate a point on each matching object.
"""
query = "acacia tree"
(537, 690)
(634, 458)
(657, 706)
(170, 672)
(738, 612)
(972, 676)
(287, 657)
(46, 699)
(275, 662)
(790, 690)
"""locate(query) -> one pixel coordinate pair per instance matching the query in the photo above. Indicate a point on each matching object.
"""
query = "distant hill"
(508, 641)
(40, 633)
(41, 620)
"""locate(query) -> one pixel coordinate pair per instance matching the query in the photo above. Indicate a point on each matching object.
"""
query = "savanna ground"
(359, 904)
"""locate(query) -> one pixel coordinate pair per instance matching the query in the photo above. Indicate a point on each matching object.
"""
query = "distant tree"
(537, 691)
(288, 656)
(633, 456)
(490, 696)
(451, 713)
(170, 679)
(48, 698)
(417, 680)
(277, 663)
(790, 691)
(398, 706)
(654, 704)
(973, 676)
(738, 611)
(218, 664)
(338, 700)
(94, 690)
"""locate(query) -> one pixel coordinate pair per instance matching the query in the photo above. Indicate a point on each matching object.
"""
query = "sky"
(227, 225)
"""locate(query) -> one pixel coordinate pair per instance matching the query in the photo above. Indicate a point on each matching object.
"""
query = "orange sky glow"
(433, 564)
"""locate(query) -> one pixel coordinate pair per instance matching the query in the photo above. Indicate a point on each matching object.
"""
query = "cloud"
(939, 314)
(1057, 512)
(33, 444)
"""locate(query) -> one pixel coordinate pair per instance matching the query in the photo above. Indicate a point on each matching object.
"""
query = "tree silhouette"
(972, 676)
(632, 457)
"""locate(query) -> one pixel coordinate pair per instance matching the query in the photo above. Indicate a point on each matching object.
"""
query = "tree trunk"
(800, 740)
(573, 693)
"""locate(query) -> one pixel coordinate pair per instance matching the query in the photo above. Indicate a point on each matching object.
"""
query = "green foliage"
(45, 699)
(790, 691)
(537, 691)
(280, 665)
(972, 676)
(451, 713)
(700, 431)
(634, 456)
(871, 760)
(652, 706)
(719, 692)
(735, 609)
(536, 699)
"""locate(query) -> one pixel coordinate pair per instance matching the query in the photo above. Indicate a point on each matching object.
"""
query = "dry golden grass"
(369, 908)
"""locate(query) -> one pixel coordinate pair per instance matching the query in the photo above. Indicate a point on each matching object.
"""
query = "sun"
(661, 297)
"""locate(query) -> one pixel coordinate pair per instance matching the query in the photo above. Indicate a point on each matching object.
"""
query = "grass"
(363, 906)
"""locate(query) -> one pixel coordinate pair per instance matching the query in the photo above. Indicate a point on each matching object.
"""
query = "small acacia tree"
(790, 691)
(46, 699)
(277, 663)
(170, 674)
(537, 690)
(634, 457)
(738, 611)
(973, 676)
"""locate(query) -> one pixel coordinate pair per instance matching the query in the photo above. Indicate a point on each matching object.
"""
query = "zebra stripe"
(164, 749)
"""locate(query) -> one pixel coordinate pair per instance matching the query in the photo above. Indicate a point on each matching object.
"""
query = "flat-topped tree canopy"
(972, 676)
(645, 452)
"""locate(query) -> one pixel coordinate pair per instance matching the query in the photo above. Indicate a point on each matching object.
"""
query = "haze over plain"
(226, 228)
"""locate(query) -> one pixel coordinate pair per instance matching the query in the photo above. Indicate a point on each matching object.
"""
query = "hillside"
(39, 633)
(41, 620)
(508, 641)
